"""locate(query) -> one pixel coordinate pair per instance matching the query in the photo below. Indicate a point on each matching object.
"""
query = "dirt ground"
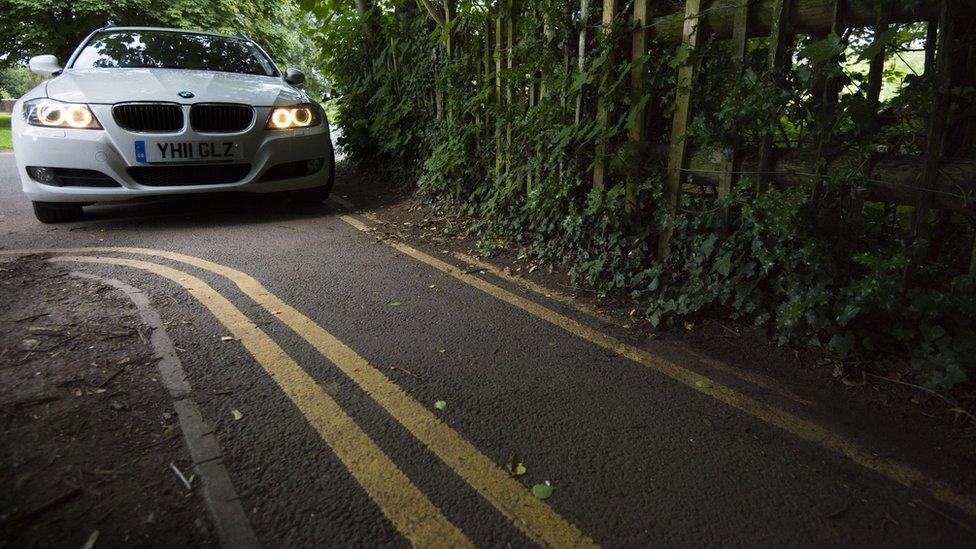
(88, 430)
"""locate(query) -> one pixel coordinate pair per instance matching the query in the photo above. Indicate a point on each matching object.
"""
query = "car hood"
(107, 86)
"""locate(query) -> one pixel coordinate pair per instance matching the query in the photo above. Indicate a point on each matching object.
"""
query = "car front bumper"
(111, 151)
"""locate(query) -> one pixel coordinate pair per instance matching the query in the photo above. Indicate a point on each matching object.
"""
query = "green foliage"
(16, 81)
(5, 138)
(793, 260)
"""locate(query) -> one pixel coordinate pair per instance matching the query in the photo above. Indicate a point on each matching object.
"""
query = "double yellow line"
(410, 511)
(901, 473)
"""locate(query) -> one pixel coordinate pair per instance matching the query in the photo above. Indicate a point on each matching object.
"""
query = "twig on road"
(32, 317)
(52, 503)
(181, 477)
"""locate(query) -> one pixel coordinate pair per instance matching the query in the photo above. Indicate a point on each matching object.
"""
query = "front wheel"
(57, 212)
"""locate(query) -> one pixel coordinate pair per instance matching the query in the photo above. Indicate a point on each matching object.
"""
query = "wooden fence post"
(513, 13)
(584, 18)
(938, 118)
(602, 109)
(637, 126)
(687, 75)
(779, 34)
(740, 39)
(499, 98)
(829, 92)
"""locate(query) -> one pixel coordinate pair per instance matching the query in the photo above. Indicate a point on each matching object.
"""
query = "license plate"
(149, 152)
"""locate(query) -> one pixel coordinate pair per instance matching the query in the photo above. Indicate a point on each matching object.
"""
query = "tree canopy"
(35, 27)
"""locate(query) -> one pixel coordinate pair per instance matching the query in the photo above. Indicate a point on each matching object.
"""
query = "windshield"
(173, 50)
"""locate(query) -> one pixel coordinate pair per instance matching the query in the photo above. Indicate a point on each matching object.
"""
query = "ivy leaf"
(723, 265)
(883, 40)
(542, 491)
(824, 50)
(849, 312)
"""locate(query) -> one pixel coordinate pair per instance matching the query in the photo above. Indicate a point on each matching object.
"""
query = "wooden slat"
(938, 118)
(499, 97)
(830, 89)
(682, 113)
(636, 130)
(876, 68)
(581, 64)
(602, 110)
(778, 38)
(740, 39)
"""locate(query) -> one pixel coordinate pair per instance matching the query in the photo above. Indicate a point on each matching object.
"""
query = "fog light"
(42, 175)
(313, 166)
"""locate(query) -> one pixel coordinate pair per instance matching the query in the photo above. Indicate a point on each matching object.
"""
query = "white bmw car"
(139, 112)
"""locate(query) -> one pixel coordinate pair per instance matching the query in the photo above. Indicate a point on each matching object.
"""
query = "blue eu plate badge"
(141, 152)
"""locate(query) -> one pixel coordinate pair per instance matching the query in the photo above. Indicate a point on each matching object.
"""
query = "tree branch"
(433, 12)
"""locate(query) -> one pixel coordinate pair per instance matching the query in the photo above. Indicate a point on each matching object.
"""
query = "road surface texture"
(367, 391)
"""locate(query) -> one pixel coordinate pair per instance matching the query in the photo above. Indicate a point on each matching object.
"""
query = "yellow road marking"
(755, 379)
(532, 516)
(807, 430)
(397, 497)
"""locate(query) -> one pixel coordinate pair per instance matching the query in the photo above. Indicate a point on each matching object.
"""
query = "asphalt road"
(340, 441)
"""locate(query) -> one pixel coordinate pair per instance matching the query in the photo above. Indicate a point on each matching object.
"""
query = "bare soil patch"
(89, 433)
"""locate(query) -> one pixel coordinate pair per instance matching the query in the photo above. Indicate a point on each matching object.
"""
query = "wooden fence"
(929, 182)
(941, 179)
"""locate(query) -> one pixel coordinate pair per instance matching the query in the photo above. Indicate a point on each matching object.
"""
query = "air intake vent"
(221, 118)
(149, 117)
(195, 174)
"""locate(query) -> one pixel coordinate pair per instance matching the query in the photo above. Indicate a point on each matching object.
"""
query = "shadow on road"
(205, 210)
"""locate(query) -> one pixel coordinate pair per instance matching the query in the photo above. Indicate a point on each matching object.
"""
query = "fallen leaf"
(542, 491)
(702, 384)
(441, 350)
(395, 304)
(689, 326)
(227, 338)
(237, 414)
(440, 405)
(514, 465)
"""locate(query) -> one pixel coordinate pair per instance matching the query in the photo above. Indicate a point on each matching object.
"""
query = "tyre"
(55, 212)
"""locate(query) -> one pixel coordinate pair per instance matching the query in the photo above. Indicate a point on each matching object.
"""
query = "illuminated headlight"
(49, 113)
(295, 116)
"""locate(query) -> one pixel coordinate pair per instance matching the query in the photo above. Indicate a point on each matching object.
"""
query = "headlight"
(49, 113)
(295, 116)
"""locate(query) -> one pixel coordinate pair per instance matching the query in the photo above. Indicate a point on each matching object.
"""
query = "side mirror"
(294, 77)
(44, 65)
